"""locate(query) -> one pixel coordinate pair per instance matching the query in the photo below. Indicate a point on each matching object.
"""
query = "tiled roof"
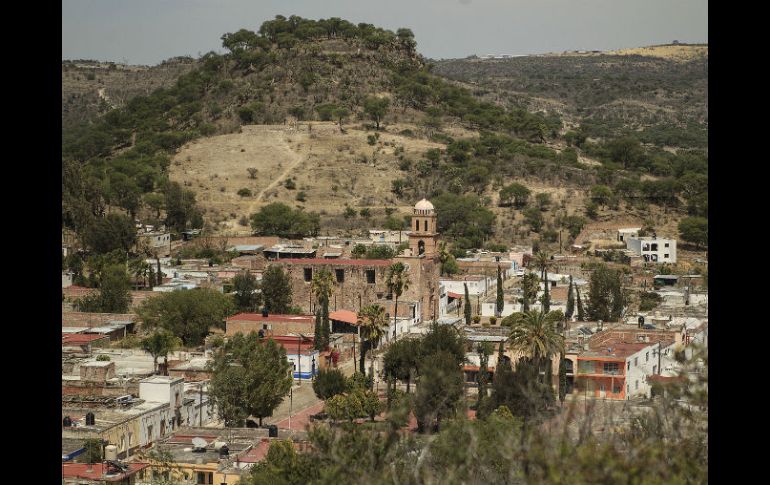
(341, 262)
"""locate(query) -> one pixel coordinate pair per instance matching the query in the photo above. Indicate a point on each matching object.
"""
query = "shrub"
(103, 358)
(290, 184)
(244, 192)
(301, 196)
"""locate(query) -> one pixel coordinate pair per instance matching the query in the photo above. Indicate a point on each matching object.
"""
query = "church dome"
(423, 205)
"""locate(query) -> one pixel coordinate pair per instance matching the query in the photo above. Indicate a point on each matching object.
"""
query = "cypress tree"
(562, 378)
(500, 304)
(570, 300)
(467, 305)
(318, 334)
(581, 312)
(325, 331)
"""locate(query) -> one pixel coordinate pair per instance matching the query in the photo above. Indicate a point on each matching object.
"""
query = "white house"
(653, 249)
(305, 363)
(645, 362)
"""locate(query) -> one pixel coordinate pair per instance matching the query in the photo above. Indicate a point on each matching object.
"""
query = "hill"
(335, 118)
(658, 93)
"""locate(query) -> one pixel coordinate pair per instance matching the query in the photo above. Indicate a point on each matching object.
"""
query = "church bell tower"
(423, 238)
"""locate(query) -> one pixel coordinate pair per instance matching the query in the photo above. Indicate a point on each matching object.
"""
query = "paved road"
(302, 402)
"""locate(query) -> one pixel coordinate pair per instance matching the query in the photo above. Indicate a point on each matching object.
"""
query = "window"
(665, 245)
(426, 225)
(665, 256)
(308, 274)
(617, 388)
(585, 367)
(162, 427)
(629, 365)
(654, 247)
(647, 357)
(416, 225)
(201, 478)
(611, 368)
(340, 273)
(370, 276)
(636, 361)
(149, 432)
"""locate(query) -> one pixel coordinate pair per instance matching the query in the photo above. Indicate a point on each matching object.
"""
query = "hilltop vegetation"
(356, 127)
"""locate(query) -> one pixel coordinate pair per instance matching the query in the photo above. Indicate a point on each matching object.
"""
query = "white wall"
(642, 364)
(475, 287)
(305, 363)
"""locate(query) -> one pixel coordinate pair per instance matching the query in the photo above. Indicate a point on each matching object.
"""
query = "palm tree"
(140, 269)
(543, 261)
(443, 255)
(535, 335)
(371, 322)
(398, 283)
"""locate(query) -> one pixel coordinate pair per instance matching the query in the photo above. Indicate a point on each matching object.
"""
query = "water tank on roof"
(111, 452)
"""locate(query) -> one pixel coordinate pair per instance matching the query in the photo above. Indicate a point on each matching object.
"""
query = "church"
(361, 282)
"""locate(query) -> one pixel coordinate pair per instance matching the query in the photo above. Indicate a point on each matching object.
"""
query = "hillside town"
(148, 393)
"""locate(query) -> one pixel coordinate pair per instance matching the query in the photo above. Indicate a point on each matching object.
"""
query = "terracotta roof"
(619, 351)
(344, 316)
(257, 317)
(337, 262)
(452, 294)
(80, 470)
(255, 454)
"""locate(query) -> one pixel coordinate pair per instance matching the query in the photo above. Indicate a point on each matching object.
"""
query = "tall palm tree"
(371, 322)
(398, 282)
(159, 344)
(543, 262)
(443, 255)
(536, 336)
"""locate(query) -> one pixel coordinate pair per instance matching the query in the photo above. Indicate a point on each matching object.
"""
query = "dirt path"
(298, 159)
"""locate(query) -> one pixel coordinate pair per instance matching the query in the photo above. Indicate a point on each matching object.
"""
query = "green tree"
(160, 343)
(499, 302)
(372, 322)
(601, 194)
(376, 108)
(694, 230)
(543, 261)
(250, 377)
(580, 310)
(278, 219)
(155, 201)
(322, 286)
(397, 282)
(401, 360)
(328, 383)
(94, 450)
(484, 350)
(606, 296)
(358, 251)
(529, 288)
(188, 314)
(276, 290)
(114, 231)
(245, 287)
(534, 218)
(114, 294)
(439, 391)
(341, 113)
(467, 308)
(516, 193)
(536, 336)
(570, 310)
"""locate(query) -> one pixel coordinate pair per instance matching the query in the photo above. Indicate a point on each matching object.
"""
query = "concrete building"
(653, 249)
(628, 232)
(271, 325)
(155, 242)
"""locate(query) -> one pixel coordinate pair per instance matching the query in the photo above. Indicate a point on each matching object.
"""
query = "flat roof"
(160, 380)
(257, 317)
(666, 277)
(80, 339)
(337, 262)
(98, 471)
